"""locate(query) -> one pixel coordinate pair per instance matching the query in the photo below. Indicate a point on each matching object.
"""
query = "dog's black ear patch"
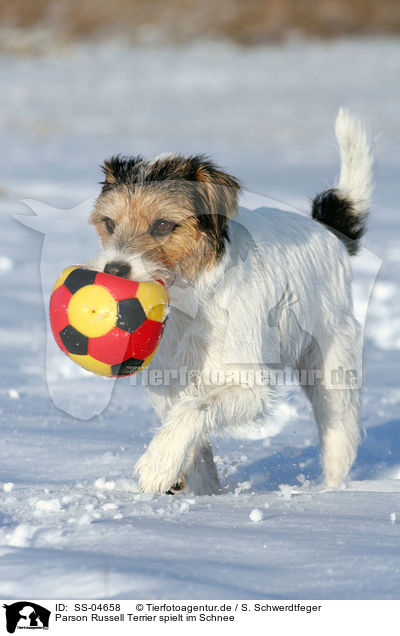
(216, 201)
(120, 170)
(338, 214)
(214, 192)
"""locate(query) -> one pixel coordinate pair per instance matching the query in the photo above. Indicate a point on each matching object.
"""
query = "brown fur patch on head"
(191, 195)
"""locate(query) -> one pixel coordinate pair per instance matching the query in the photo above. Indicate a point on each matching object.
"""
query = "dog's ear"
(216, 201)
(110, 169)
(219, 189)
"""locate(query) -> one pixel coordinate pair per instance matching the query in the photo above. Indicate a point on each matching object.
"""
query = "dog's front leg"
(162, 465)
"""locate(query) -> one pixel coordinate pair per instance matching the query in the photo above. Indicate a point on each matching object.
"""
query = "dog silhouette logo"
(26, 615)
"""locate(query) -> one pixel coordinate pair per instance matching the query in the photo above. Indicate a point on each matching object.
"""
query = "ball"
(108, 325)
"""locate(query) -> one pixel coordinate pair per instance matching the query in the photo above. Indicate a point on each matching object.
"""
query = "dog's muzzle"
(118, 268)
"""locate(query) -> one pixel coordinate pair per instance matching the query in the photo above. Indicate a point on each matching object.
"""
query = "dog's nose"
(118, 268)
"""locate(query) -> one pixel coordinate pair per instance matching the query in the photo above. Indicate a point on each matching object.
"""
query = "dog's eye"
(109, 223)
(162, 227)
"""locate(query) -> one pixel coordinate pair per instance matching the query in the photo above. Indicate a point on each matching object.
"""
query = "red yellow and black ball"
(108, 325)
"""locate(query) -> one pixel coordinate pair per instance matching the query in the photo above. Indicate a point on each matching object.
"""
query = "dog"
(273, 291)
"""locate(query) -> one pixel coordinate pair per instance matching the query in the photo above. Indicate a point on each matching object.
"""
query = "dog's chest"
(184, 341)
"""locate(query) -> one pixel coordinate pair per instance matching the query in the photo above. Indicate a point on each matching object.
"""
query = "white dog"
(273, 290)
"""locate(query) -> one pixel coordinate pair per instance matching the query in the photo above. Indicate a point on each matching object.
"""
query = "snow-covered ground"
(73, 523)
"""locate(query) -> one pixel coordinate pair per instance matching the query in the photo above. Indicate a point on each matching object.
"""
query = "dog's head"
(164, 218)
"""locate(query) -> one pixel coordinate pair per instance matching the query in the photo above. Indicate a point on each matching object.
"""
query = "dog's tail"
(344, 207)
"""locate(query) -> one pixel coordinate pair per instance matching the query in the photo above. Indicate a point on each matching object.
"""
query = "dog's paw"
(178, 488)
(155, 475)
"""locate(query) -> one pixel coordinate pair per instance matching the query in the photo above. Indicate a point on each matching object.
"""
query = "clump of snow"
(126, 485)
(184, 507)
(256, 515)
(13, 394)
(242, 485)
(109, 506)
(385, 291)
(285, 491)
(392, 397)
(144, 496)
(48, 505)
(6, 264)
(8, 486)
(21, 535)
(103, 484)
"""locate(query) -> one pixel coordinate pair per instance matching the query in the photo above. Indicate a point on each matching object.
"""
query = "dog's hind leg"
(200, 475)
(333, 390)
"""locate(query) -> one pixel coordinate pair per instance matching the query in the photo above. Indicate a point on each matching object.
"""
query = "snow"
(73, 522)
(5, 264)
(256, 515)
(48, 505)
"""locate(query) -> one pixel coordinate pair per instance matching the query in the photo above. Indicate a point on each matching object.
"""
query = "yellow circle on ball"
(92, 311)
(154, 299)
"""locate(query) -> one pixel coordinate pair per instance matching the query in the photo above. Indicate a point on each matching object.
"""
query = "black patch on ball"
(79, 278)
(127, 367)
(74, 341)
(130, 315)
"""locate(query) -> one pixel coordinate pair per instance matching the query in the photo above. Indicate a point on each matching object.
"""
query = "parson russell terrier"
(284, 277)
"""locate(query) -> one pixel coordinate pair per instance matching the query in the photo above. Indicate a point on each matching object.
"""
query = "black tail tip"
(337, 213)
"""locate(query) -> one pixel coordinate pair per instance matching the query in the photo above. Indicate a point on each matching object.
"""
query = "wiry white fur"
(355, 180)
(236, 321)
